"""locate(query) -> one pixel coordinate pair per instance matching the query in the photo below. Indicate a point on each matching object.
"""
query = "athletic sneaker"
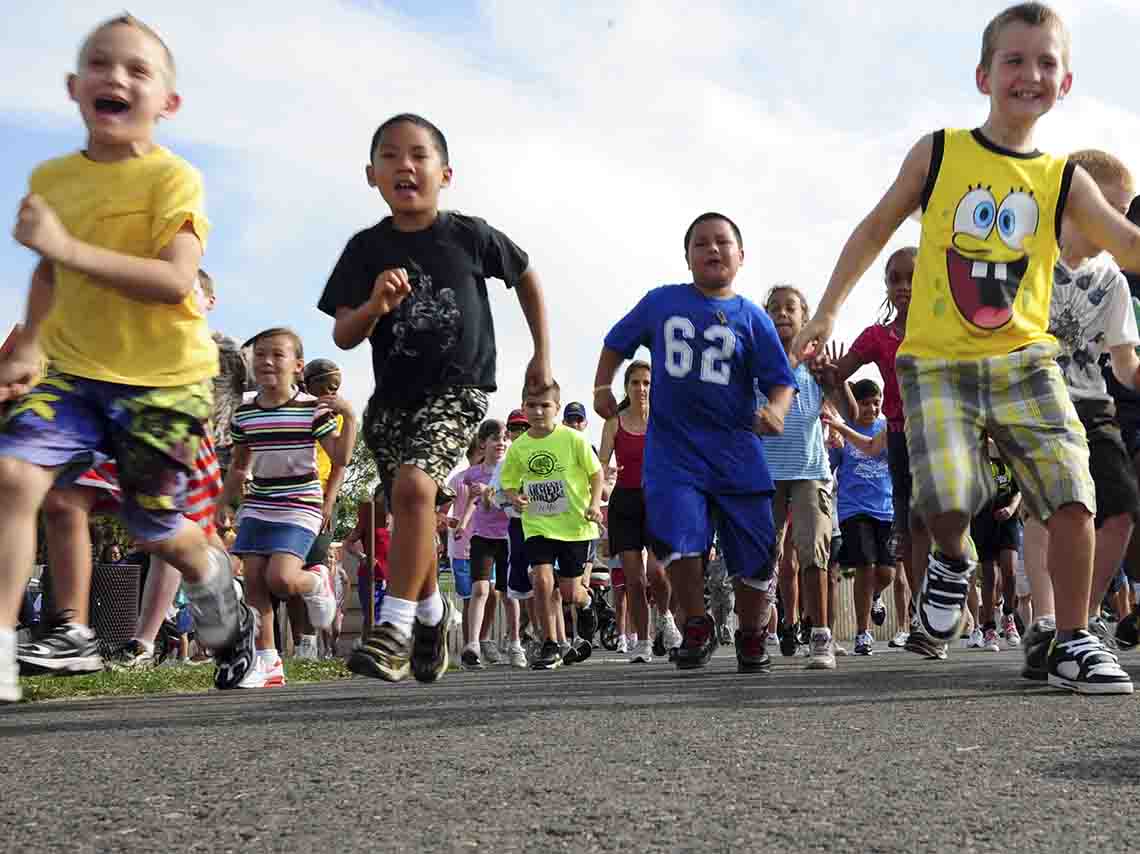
(385, 655)
(839, 649)
(990, 639)
(920, 643)
(9, 670)
(976, 640)
(942, 604)
(821, 656)
(587, 621)
(548, 658)
(67, 649)
(321, 603)
(723, 634)
(1099, 627)
(489, 651)
(131, 655)
(751, 655)
(1128, 630)
(234, 661)
(1009, 629)
(214, 604)
(622, 647)
(516, 656)
(878, 611)
(264, 674)
(641, 653)
(864, 644)
(698, 643)
(899, 640)
(429, 646)
(1036, 647)
(307, 648)
(568, 652)
(583, 649)
(772, 640)
(469, 659)
(1084, 666)
(790, 640)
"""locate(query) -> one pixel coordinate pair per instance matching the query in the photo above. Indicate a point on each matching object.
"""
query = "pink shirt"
(458, 549)
(879, 344)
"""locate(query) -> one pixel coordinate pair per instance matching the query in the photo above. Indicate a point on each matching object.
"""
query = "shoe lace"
(1088, 651)
(945, 587)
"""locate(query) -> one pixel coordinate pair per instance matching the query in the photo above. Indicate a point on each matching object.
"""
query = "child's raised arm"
(865, 243)
(1105, 226)
(872, 446)
(605, 404)
(529, 293)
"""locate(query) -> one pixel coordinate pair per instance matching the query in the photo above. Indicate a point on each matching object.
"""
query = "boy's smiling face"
(1028, 72)
(867, 410)
(408, 170)
(122, 86)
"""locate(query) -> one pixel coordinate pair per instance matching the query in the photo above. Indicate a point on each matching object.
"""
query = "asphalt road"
(889, 753)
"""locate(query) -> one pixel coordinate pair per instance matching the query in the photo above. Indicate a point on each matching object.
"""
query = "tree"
(360, 479)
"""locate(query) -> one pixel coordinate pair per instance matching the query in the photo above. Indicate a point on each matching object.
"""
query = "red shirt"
(629, 448)
(381, 541)
(879, 344)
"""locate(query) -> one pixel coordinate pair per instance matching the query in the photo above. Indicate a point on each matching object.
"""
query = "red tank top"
(629, 448)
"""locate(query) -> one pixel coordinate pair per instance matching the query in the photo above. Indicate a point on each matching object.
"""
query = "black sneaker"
(569, 654)
(1036, 643)
(66, 650)
(548, 658)
(878, 611)
(920, 643)
(470, 660)
(698, 643)
(751, 656)
(1084, 666)
(587, 621)
(789, 640)
(429, 646)
(385, 655)
(234, 661)
(130, 656)
(1099, 627)
(659, 645)
(942, 604)
(1128, 631)
(583, 649)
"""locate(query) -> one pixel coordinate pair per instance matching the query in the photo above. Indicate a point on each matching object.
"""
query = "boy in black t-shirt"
(415, 286)
(996, 532)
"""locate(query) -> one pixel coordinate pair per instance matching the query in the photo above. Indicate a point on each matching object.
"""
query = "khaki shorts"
(809, 504)
(1020, 400)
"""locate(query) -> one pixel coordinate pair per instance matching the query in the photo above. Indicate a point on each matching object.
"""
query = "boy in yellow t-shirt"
(977, 357)
(555, 480)
(120, 230)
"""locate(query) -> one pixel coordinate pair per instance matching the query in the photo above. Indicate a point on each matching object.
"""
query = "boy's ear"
(172, 105)
(370, 175)
(72, 80)
(447, 173)
(982, 80)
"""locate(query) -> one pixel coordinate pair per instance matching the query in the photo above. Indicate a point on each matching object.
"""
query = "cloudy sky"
(591, 132)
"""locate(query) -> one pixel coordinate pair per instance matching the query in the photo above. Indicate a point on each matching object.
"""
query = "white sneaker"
(976, 640)
(820, 654)
(772, 641)
(264, 674)
(321, 603)
(642, 653)
(840, 649)
(898, 641)
(1009, 629)
(9, 669)
(990, 640)
(307, 648)
(516, 656)
(672, 633)
(622, 647)
(489, 651)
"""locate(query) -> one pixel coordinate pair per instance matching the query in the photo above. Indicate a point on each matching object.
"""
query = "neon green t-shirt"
(554, 472)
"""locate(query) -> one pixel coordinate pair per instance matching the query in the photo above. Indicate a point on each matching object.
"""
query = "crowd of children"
(741, 470)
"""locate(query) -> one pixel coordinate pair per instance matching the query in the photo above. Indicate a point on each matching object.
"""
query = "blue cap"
(574, 412)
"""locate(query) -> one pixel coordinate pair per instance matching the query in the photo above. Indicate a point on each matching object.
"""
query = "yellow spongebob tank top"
(984, 275)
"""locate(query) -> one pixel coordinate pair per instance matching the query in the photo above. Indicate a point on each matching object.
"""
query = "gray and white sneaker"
(821, 654)
(67, 649)
(1099, 627)
(214, 604)
(489, 652)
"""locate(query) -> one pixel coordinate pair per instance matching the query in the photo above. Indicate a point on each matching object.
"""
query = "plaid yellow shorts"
(1021, 402)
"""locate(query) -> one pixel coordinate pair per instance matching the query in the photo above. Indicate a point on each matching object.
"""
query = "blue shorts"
(682, 518)
(378, 597)
(72, 424)
(461, 572)
(518, 579)
(258, 537)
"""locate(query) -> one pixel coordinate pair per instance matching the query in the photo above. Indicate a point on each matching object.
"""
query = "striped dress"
(286, 488)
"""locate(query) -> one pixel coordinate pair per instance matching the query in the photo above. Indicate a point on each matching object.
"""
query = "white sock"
(267, 655)
(399, 613)
(8, 641)
(429, 611)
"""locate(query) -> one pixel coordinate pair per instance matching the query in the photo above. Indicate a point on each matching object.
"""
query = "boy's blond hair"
(1104, 168)
(1031, 14)
(128, 20)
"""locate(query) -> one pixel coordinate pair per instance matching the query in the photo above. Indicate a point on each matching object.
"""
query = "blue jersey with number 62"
(709, 357)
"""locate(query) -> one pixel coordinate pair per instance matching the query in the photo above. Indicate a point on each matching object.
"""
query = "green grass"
(179, 679)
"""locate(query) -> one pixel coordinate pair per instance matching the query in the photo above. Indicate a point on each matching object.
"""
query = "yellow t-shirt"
(554, 472)
(135, 207)
(324, 462)
(984, 274)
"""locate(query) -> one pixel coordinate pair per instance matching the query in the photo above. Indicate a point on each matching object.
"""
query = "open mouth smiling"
(984, 291)
(111, 106)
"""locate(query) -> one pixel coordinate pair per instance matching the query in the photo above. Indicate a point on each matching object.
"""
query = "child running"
(415, 286)
(977, 356)
(119, 229)
(711, 349)
(275, 434)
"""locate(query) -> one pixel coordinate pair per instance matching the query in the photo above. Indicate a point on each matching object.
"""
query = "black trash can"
(114, 603)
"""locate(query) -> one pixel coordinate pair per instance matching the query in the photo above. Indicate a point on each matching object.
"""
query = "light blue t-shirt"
(864, 483)
(798, 452)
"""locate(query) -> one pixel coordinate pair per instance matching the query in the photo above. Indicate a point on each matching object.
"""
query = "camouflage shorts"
(433, 437)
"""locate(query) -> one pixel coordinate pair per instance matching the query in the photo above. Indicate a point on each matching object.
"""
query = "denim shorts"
(259, 537)
(461, 572)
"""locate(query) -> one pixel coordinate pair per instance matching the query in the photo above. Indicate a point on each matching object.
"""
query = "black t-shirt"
(442, 335)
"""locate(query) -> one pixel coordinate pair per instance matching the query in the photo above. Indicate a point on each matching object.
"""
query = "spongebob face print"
(992, 242)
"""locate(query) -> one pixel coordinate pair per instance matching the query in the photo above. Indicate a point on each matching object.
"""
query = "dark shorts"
(569, 556)
(432, 437)
(489, 560)
(73, 424)
(898, 462)
(838, 551)
(1109, 463)
(992, 537)
(867, 541)
(518, 581)
(629, 531)
(1127, 404)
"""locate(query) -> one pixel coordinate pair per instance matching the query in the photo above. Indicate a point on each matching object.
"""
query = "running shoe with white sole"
(67, 649)
(307, 648)
(821, 652)
(990, 640)
(878, 611)
(516, 655)
(976, 640)
(469, 659)
(1038, 639)
(131, 655)
(751, 654)
(1084, 666)
(864, 644)
(428, 657)
(899, 640)
(214, 604)
(1009, 629)
(698, 644)
(641, 653)
(266, 673)
(548, 658)
(234, 661)
(9, 669)
(942, 604)
(385, 655)
(489, 652)
(920, 643)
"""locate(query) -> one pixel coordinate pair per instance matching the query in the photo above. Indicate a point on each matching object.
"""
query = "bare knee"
(413, 492)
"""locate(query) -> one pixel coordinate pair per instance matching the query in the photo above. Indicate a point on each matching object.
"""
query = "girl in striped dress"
(275, 434)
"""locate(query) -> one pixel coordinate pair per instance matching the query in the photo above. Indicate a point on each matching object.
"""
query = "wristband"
(606, 387)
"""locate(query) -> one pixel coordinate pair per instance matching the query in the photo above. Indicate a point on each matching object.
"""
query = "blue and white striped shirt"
(798, 453)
